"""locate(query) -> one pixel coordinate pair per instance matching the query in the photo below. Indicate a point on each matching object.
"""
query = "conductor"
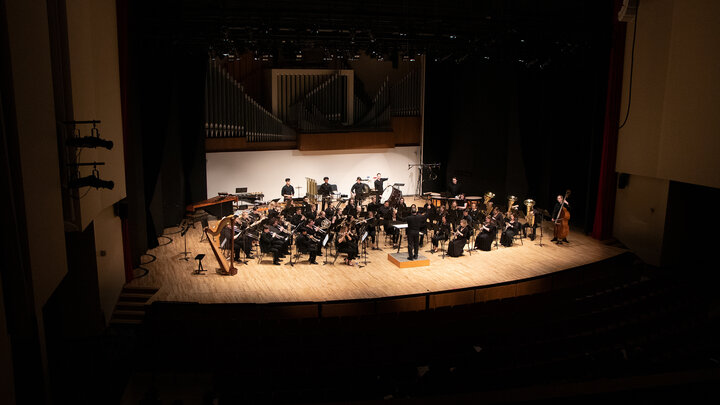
(414, 222)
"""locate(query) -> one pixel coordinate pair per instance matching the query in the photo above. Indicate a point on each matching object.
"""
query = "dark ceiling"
(532, 31)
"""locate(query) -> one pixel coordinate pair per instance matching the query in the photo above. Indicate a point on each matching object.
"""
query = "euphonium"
(530, 216)
(511, 201)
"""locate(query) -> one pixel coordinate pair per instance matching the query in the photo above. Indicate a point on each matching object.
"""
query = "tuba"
(486, 201)
(530, 216)
(511, 201)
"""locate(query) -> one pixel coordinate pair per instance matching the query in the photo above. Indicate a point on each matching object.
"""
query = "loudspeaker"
(623, 180)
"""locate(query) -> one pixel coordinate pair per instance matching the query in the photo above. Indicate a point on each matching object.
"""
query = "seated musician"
(268, 245)
(466, 216)
(371, 225)
(391, 230)
(462, 234)
(402, 208)
(536, 223)
(487, 235)
(282, 240)
(510, 229)
(462, 203)
(350, 208)
(307, 243)
(442, 232)
(310, 211)
(348, 243)
(373, 204)
(475, 213)
(384, 211)
(297, 217)
(454, 215)
(288, 191)
(325, 191)
(498, 217)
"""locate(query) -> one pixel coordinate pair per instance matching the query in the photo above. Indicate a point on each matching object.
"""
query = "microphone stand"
(542, 223)
(183, 232)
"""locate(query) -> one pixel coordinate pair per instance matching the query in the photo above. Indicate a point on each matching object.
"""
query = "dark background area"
(530, 132)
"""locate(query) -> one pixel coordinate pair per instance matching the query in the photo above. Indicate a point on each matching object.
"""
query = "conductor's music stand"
(200, 269)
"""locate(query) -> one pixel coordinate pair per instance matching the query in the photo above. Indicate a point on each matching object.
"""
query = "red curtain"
(605, 207)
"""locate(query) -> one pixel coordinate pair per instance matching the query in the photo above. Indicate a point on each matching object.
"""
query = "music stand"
(200, 269)
(204, 223)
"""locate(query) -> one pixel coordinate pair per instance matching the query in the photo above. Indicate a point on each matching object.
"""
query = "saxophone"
(511, 201)
(530, 216)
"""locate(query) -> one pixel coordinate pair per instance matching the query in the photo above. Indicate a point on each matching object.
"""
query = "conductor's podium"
(401, 260)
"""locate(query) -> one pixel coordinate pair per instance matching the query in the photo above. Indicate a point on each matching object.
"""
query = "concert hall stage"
(266, 283)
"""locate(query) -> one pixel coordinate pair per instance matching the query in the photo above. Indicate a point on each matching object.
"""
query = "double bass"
(562, 225)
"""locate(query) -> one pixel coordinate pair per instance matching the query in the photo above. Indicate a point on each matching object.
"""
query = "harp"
(226, 268)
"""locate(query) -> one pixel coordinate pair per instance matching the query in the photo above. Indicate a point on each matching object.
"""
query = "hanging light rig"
(92, 141)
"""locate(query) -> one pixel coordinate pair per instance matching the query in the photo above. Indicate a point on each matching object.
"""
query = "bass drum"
(391, 194)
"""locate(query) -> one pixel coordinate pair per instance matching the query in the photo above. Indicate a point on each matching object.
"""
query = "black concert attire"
(391, 230)
(402, 210)
(371, 229)
(453, 217)
(373, 206)
(453, 189)
(485, 239)
(268, 245)
(349, 245)
(556, 209)
(357, 189)
(443, 233)
(507, 236)
(536, 224)
(287, 190)
(499, 219)
(476, 215)
(325, 190)
(469, 220)
(282, 242)
(458, 244)
(379, 184)
(306, 245)
(414, 222)
(296, 219)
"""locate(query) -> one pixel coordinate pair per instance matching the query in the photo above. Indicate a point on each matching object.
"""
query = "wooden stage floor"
(266, 283)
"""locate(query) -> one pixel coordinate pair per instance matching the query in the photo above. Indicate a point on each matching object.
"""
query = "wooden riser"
(401, 260)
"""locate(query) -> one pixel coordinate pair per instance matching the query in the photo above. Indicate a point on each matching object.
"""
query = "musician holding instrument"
(402, 208)
(561, 216)
(325, 190)
(308, 243)
(453, 189)
(373, 205)
(348, 243)
(414, 222)
(379, 183)
(487, 234)
(461, 236)
(510, 229)
(442, 232)
(288, 191)
(357, 189)
(534, 220)
(268, 245)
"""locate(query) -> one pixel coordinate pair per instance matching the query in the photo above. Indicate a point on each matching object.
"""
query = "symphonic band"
(352, 225)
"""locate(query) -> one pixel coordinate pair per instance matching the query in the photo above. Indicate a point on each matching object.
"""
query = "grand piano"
(218, 207)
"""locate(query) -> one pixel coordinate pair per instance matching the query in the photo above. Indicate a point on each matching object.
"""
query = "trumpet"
(277, 236)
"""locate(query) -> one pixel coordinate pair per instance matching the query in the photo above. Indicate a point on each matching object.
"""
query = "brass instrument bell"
(511, 201)
(530, 215)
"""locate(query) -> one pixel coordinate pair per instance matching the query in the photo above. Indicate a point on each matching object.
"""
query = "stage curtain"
(605, 207)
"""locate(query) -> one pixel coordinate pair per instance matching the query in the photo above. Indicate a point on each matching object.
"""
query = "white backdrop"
(265, 171)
